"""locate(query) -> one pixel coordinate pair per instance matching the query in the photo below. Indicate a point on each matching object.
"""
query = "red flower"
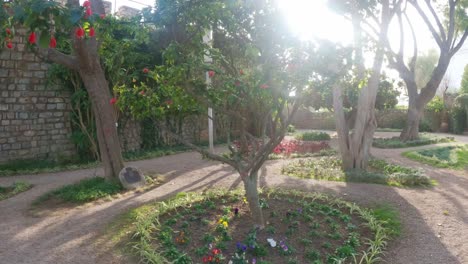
(87, 4)
(89, 12)
(102, 16)
(211, 74)
(9, 45)
(113, 101)
(241, 72)
(79, 32)
(91, 32)
(8, 31)
(205, 259)
(264, 86)
(52, 43)
(210, 258)
(142, 92)
(145, 70)
(216, 251)
(32, 38)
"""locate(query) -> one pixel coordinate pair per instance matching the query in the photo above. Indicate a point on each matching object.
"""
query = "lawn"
(453, 157)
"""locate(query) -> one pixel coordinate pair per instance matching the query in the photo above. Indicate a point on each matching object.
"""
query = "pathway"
(435, 221)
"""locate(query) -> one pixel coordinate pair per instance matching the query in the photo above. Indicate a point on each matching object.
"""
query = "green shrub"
(84, 191)
(313, 136)
(425, 126)
(291, 129)
(458, 120)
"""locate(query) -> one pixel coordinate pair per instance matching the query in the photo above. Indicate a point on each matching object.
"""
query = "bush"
(458, 120)
(291, 129)
(425, 126)
(313, 136)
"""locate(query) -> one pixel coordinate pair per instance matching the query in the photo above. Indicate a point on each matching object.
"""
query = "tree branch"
(58, 57)
(436, 18)
(428, 23)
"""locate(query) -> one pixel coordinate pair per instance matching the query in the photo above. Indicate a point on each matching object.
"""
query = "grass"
(307, 227)
(379, 172)
(14, 189)
(453, 157)
(313, 136)
(395, 142)
(84, 191)
(390, 218)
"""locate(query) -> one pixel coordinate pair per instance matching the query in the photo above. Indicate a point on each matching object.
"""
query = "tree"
(449, 31)
(424, 66)
(355, 146)
(49, 20)
(254, 69)
(464, 81)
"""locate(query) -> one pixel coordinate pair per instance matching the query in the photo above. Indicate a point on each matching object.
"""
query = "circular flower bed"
(217, 228)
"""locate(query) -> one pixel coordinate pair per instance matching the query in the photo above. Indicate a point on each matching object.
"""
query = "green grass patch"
(84, 191)
(395, 142)
(453, 157)
(390, 218)
(14, 189)
(379, 172)
(313, 136)
(306, 227)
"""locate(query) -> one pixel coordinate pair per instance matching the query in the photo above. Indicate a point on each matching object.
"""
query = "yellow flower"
(225, 224)
(245, 199)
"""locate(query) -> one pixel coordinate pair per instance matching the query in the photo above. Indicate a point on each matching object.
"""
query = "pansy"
(236, 211)
(145, 70)
(216, 251)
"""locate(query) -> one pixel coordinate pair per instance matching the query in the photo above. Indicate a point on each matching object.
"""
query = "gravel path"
(435, 221)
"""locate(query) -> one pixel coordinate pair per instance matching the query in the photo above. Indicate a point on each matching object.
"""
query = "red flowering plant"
(288, 147)
(215, 256)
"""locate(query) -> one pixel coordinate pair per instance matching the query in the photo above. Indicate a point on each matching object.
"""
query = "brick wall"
(34, 116)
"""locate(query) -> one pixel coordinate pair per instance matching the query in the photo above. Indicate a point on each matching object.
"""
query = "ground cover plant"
(86, 190)
(313, 136)
(396, 142)
(379, 172)
(14, 189)
(298, 148)
(453, 157)
(216, 228)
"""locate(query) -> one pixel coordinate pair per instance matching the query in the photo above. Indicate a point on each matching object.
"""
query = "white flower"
(272, 242)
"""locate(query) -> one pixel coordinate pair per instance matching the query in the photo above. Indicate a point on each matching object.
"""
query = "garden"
(183, 122)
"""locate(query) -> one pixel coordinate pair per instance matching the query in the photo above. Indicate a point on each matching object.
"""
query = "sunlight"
(312, 19)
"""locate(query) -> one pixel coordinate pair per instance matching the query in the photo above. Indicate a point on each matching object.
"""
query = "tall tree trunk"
(108, 139)
(251, 192)
(411, 129)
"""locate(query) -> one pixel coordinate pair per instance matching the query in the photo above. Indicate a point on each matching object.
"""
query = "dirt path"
(435, 221)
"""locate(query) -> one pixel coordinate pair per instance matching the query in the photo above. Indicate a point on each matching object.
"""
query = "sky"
(311, 18)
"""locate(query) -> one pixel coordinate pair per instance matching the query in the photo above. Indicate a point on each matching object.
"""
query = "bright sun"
(311, 19)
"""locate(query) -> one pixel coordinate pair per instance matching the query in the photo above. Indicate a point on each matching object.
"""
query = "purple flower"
(254, 261)
(241, 246)
(299, 210)
(236, 211)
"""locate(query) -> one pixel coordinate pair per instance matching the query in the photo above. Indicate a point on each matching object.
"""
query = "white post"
(207, 39)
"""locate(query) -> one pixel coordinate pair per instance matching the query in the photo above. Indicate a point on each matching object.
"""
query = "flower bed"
(217, 228)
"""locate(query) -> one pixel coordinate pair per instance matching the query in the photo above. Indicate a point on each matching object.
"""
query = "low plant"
(396, 142)
(453, 157)
(380, 172)
(14, 189)
(367, 241)
(313, 136)
(83, 191)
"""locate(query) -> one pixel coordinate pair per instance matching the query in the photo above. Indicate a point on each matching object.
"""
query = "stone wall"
(34, 116)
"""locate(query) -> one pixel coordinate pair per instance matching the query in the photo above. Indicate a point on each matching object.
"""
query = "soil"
(435, 221)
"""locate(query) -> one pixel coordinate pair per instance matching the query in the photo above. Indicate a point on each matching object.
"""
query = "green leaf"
(44, 39)
(75, 16)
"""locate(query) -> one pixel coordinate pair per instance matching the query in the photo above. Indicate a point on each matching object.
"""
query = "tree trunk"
(411, 129)
(108, 139)
(251, 192)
